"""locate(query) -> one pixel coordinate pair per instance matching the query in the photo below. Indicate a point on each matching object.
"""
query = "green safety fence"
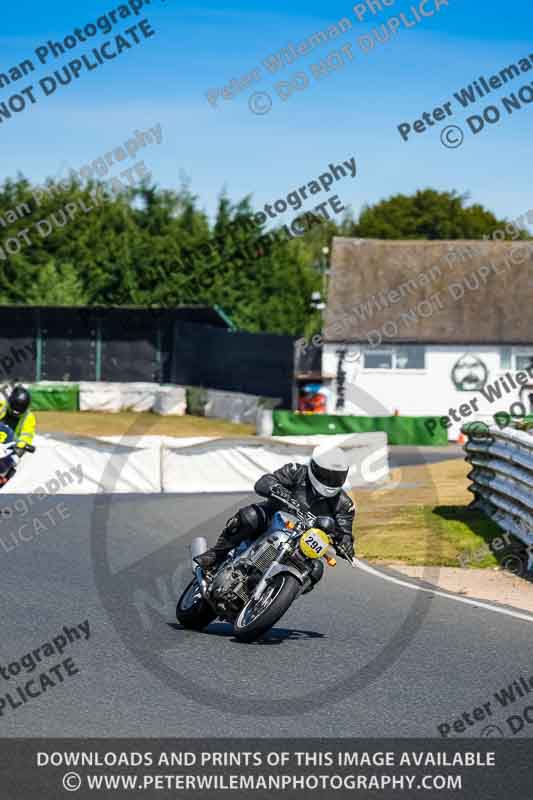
(399, 430)
(196, 400)
(50, 397)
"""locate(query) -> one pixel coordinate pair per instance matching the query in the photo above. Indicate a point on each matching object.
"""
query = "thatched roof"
(443, 292)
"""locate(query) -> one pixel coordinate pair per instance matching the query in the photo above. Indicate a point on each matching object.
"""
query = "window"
(401, 357)
(506, 358)
(523, 362)
(411, 357)
(377, 359)
(516, 359)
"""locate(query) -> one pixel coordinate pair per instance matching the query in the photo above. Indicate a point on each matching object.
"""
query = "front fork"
(198, 548)
(275, 569)
(200, 578)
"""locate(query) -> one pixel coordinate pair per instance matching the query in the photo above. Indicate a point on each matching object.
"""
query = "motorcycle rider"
(15, 412)
(316, 488)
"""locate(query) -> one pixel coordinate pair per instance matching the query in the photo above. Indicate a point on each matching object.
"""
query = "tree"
(82, 244)
(428, 214)
(57, 285)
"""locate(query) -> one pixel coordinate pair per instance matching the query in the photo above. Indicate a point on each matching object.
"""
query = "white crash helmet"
(327, 470)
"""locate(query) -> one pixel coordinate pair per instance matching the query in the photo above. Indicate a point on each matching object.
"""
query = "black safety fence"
(253, 363)
(74, 344)
(192, 345)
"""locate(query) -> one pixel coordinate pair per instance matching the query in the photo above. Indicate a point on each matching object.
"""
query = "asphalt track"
(360, 656)
(408, 455)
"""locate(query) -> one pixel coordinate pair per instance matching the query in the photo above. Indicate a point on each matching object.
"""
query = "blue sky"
(352, 112)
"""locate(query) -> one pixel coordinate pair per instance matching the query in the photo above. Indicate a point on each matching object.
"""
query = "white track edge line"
(497, 609)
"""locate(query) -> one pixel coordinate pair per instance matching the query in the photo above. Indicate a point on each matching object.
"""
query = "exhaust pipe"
(198, 548)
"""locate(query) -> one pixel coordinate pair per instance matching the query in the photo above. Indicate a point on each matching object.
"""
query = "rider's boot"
(213, 558)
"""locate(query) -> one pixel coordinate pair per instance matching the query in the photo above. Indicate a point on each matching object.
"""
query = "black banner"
(253, 363)
(246, 768)
(110, 344)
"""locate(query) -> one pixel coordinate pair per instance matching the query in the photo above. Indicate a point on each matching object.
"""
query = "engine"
(233, 585)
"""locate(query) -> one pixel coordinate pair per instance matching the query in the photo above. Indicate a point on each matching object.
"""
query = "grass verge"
(94, 423)
(448, 536)
(424, 519)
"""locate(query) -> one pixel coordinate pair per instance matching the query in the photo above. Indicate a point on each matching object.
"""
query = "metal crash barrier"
(502, 478)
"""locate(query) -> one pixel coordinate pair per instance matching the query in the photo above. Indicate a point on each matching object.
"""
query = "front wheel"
(192, 610)
(258, 616)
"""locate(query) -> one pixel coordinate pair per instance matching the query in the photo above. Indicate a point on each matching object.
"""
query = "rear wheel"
(258, 616)
(192, 610)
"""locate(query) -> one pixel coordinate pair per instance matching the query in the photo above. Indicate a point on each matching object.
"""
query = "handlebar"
(10, 446)
(303, 516)
(308, 519)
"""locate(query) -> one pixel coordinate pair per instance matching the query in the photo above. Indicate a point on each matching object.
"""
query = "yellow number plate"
(314, 543)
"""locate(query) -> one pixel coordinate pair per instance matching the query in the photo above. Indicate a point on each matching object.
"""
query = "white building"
(430, 328)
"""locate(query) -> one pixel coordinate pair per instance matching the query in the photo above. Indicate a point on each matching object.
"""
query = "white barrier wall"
(86, 466)
(226, 465)
(154, 464)
(170, 400)
(115, 397)
(502, 478)
(236, 406)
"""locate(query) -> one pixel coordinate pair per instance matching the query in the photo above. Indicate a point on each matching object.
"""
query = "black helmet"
(327, 470)
(18, 401)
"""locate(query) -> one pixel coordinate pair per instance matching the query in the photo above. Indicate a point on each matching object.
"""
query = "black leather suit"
(251, 521)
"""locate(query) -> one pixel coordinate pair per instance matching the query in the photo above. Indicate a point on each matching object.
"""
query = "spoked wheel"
(192, 610)
(258, 616)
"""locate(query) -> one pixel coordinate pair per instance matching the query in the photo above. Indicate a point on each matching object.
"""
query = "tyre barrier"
(502, 480)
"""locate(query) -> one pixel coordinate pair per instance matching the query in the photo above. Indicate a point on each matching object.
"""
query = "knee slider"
(232, 528)
(252, 518)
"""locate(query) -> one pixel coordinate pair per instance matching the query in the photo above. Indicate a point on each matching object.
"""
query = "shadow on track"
(274, 636)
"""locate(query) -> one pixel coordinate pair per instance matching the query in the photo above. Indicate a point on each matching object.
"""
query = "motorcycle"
(8, 459)
(259, 581)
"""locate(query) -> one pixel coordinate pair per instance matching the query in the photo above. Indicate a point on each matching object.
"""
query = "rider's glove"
(280, 492)
(346, 543)
(7, 450)
(18, 451)
(326, 524)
